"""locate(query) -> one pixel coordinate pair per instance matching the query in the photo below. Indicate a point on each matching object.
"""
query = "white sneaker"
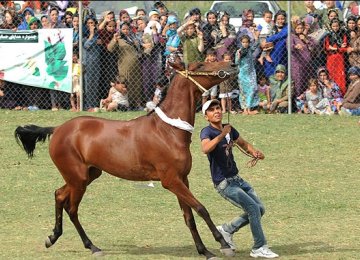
(227, 236)
(264, 252)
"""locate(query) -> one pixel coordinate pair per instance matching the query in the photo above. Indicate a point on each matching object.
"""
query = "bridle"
(187, 74)
(221, 74)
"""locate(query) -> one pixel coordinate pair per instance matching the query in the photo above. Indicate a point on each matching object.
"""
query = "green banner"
(41, 58)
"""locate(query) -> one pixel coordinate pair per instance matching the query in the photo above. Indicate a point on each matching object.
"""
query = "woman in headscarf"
(279, 38)
(224, 36)
(335, 47)
(211, 25)
(301, 48)
(91, 64)
(329, 88)
(127, 49)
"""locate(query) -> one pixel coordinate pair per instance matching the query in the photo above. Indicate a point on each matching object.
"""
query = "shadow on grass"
(288, 250)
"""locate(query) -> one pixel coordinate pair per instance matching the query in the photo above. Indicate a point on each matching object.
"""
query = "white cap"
(208, 103)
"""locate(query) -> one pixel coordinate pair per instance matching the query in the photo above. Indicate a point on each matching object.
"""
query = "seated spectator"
(315, 101)
(330, 89)
(117, 98)
(351, 103)
(263, 92)
(279, 85)
(160, 87)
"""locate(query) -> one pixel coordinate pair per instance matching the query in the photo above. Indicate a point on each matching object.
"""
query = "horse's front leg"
(190, 223)
(188, 201)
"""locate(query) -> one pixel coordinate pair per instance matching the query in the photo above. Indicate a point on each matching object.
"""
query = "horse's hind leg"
(61, 197)
(77, 191)
(61, 202)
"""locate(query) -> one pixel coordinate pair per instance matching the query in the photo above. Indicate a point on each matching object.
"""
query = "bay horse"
(153, 147)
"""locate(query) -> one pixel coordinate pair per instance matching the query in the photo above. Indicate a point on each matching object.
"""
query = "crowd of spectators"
(136, 53)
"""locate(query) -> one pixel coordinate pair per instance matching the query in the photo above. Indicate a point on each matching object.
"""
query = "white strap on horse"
(183, 125)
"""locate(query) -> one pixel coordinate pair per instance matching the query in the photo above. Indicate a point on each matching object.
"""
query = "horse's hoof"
(98, 254)
(214, 258)
(227, 251)
(48, 242)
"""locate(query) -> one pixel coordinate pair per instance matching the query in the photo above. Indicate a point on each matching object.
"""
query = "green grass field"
(309, 183)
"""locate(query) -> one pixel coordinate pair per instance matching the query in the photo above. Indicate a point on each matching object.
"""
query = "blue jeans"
(355, 112)
(242, 195)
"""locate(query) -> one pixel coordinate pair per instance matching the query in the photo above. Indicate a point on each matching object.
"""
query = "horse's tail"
(29, 135)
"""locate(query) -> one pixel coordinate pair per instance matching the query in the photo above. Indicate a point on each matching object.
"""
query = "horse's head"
(206, 74)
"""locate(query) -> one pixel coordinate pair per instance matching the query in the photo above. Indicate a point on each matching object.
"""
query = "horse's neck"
(180, 100)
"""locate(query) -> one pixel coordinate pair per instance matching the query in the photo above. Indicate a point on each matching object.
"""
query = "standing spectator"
(127, 49)
(266, 29)
(248, 97)
(330, 90)
(212, 92)
(301, 48)
(92, 52)
(224, 36)
(279, 53)
(226, 89)
(75, 95)
(61, 6)
(330, 6)
(351, 103)
(26, 15)
(33, 5)
(354, 49)
(160, 6)
(75, 26)
(12, 20)
(195, 16)
(172, 50)
(67, 19)
(150, 58)
(107, 59)
(336, 46)
(54, 18)
(106, 17)
(210, 26)
(192, 42)
(45, 21)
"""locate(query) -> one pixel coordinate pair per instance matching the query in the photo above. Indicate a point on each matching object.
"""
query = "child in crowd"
(192, 42)
(161, 84)
(212, 92)
(117, 98)
(263, 92)
(248, 97)
(316, 103)
(266, 28)
(154, 19)
(226, 89)
(75, 95)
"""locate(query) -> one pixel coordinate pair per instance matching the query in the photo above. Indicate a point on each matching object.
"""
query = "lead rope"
(254, 159)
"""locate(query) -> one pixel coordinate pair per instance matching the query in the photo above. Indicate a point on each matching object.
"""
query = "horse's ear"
(178, 65)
